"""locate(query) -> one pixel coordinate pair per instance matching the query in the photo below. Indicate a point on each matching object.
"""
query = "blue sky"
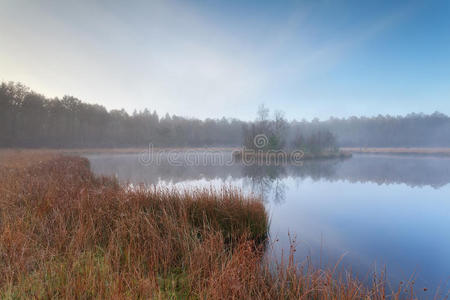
(223, 58)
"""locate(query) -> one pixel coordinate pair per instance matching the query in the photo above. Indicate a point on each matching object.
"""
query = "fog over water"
(374, 210)
(414, 171)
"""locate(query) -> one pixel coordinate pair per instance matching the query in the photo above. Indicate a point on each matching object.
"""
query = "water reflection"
(265, 181)
(268, 180)
(391, 210)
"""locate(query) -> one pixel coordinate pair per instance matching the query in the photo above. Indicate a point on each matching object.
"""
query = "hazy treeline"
(412, 130)
(28, 119)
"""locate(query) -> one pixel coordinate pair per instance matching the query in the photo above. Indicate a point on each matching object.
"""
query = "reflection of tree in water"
(269, 181)
(264, 180)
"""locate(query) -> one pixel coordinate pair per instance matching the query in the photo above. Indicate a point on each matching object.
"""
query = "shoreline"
(438, 151)
(288, 157)
(126, 150)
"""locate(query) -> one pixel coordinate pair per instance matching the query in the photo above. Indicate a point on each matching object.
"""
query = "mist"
(29, 119)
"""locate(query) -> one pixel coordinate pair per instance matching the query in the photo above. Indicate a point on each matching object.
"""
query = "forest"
(29, 119)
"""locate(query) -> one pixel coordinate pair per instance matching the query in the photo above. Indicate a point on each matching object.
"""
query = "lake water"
(375, 211)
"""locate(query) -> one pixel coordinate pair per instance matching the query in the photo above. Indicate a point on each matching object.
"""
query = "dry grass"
(17, 158)
(65, 233)
(6, 152)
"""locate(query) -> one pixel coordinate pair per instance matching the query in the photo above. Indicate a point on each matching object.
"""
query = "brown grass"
(65, 233)
(6, 152)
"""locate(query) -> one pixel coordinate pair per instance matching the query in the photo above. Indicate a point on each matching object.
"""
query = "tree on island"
(266, 134)
(272, 132)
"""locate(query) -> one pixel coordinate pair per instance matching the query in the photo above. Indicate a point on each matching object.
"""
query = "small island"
(273, 141)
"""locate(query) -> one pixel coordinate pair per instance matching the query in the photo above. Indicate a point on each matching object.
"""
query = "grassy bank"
(65, 233)
(119, 150)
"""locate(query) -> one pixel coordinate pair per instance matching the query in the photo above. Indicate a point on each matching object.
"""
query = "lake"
(373, 211)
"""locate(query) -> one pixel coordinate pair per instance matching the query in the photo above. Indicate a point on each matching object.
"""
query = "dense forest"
(28, 119)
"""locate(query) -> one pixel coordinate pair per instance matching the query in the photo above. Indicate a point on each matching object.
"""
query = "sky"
(209, 59)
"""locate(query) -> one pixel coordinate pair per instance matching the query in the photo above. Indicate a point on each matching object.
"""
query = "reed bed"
(65, 233)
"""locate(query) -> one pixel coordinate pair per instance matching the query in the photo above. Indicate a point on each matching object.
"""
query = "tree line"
(29, 119)
(412, 130)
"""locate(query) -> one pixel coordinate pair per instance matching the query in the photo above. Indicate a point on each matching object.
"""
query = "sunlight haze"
(206, 58)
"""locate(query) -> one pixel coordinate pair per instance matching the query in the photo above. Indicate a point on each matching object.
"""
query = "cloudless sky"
(214, 58)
